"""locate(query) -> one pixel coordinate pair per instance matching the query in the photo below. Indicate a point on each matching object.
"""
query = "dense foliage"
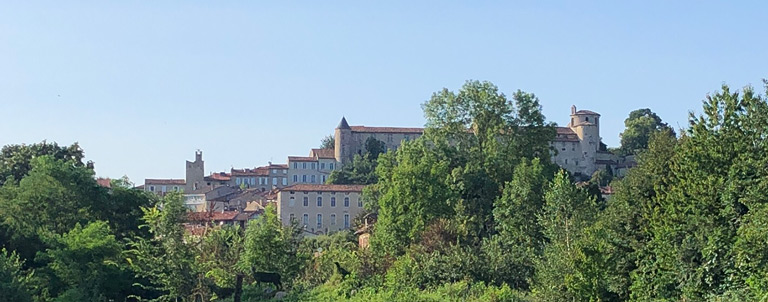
(474, 210)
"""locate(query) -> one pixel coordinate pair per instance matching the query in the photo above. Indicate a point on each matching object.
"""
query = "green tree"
(272, 247)
(412, 193)
(518, 242)
(639, 126)
(566, 213)
(167, 259)
(88, 262)
(14, 281)
(16, 160)
(717, 176)
(328, 142)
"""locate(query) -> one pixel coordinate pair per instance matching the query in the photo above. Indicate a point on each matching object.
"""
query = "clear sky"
(142, 84)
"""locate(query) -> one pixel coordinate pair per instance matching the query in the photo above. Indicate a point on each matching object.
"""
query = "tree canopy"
(639, 127)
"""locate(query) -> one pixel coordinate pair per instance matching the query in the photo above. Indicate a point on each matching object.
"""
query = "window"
(285, 171)
(274, 171)
(359, 203)
(313, 179)
(346, 221)
(566, 161)
(237, 181)
(586, 119)
(330, 166)
(295, 165)
(333, 219)
(303, 165)
(295, 178)
(319, 221)
(292, 217)
(333, 201)
(292, 201)
(319, 201)
(152, 188)
(303, 178)
(324, 178)
(285, 181)
(306, 201)
(164, 188)
(313, 166)
(274, 181)
(175, 188)
(322, 166)
(346, 202)
(305, 219)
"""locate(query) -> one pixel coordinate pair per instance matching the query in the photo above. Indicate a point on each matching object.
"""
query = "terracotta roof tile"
(323, 188)
(212, 216)
(165, 181)
(219, 176)
(323, 153)
(580, 112)
(301, 158)
(565, 134)
(387, 130)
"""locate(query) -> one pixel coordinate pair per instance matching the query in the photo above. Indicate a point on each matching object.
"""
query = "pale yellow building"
(320, 209)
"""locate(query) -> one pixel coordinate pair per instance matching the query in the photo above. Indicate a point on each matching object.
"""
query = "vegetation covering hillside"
(479, 215)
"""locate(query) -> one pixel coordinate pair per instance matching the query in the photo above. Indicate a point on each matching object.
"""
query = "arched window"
(333, 219)
(306, 201)
(319, 201)
(319, 221)
(346, 202)
(333, 201)
(305, 219)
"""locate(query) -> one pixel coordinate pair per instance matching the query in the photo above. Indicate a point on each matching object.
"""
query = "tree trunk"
(238, 287)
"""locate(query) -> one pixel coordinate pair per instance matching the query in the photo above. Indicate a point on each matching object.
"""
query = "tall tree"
(567, 212)
(718, 174)
(328, 142)
(16, 160)
(639, 126)
(519, 240)
(14, 281)
(271, 247)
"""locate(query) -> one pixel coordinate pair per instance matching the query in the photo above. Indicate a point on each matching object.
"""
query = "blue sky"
(142, 84)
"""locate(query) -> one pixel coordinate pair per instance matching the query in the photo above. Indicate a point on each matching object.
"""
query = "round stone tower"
(342, 138)
(586, 124)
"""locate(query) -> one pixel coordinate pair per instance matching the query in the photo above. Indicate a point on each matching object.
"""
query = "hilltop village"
(299, 188)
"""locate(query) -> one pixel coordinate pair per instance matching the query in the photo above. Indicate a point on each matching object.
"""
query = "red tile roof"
(104, 182)
(220, 176)
(260, 171)
(323, 153)
(212, 216)
(323, 188)
(565, 134)
(387, 130)
(301, 158)
(581, 112)
(165, 181)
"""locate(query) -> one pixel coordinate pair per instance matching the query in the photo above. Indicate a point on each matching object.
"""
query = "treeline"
(480, 215)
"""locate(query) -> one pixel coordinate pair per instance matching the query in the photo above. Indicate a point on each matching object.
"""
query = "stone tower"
(195, 173)
(342, 137)
(586, 124)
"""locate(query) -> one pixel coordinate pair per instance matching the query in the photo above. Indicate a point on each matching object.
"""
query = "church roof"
(343, 124)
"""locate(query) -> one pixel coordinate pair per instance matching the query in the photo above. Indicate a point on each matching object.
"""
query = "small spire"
(343, 124)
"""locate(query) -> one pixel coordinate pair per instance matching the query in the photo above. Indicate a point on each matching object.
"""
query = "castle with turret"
(577, 147)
